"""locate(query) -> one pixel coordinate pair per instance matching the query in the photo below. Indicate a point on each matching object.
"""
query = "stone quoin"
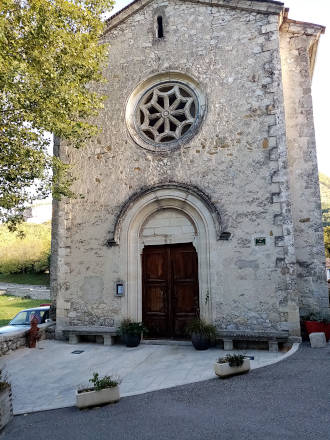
(200, 195)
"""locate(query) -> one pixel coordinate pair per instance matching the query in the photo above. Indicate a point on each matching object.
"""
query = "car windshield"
(24, 318)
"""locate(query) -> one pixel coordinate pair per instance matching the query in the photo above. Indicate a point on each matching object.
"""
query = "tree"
(326, 231)
(50, 52)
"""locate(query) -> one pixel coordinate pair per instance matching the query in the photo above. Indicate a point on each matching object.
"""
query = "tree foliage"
(50, 53)
(326, 231)
(325, 198)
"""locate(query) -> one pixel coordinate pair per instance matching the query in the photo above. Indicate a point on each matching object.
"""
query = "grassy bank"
(41, 279)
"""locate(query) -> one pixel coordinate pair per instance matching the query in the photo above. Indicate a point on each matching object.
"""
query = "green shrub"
(326, 231)
(28, 254)
(128, 327)
(201, 327)
(99, 383)
(234, 360)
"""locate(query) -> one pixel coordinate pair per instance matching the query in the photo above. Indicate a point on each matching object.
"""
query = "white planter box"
(94, 398)
(224, 370)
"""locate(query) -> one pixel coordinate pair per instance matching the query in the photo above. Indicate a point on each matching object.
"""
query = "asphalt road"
(288, 400)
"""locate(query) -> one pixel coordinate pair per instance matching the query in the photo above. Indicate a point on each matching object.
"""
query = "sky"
(313, 11)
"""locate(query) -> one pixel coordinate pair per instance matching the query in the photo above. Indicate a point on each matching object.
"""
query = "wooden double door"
(170, 298)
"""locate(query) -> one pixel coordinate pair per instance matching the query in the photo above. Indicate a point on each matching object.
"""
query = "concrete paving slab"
(47, 377)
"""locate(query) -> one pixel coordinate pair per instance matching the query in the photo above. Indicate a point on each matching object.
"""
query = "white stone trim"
(131, 244)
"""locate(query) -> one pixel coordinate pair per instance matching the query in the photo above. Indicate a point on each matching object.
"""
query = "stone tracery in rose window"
(167, 112)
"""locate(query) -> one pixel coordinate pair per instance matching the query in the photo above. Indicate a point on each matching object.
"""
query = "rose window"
(166, 113)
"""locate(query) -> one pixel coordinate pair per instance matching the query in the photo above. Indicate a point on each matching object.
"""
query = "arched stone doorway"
(166, 215)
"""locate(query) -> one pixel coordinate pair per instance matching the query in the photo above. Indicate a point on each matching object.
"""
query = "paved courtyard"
(289, 400)
(46, 378)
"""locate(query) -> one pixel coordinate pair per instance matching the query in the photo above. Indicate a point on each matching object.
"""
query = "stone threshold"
(165, 342)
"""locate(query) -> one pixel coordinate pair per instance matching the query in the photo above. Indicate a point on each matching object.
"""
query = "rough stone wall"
(237, 158)
(6, 407)
(60, 245)
(30, 292)
(297, 45)
(12, 341)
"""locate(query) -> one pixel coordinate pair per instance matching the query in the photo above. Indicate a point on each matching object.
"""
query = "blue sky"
(314, 11)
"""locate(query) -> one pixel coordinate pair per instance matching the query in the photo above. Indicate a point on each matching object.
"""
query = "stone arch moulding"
(194, 192)
(130, 222)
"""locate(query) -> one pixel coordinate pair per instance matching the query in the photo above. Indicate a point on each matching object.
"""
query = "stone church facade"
(200, 195)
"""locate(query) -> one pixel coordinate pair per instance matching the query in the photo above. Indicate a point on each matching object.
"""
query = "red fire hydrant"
(34, 332)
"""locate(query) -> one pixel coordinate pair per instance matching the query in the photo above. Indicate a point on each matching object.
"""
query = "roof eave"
(260, 6)
(299, 28)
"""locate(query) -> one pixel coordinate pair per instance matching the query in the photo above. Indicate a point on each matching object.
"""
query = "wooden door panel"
(157, 325)
(156, 299)
(156, 266)
(185, 301)
(183, 264)
(170, 289)
(155, 303)
(180, 325)
(185, 287)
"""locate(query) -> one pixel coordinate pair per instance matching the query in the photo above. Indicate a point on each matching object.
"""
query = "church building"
(200, 194)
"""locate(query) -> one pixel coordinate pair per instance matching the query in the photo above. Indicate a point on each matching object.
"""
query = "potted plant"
(131, 332)
(6, 406)
(202, 333)
(104, 390)
(232, 364)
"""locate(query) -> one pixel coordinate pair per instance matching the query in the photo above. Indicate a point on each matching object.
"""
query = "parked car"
(23, 318)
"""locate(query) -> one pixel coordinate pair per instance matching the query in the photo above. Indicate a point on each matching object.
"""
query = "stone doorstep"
(165, 342)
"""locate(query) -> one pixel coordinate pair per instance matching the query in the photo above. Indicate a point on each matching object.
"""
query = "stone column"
(298, 49)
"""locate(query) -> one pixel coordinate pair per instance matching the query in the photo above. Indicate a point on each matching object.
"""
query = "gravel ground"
(288, 400)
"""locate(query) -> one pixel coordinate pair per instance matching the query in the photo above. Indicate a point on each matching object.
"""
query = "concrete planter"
(95, 398)
(6, 407)
(225, 370)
